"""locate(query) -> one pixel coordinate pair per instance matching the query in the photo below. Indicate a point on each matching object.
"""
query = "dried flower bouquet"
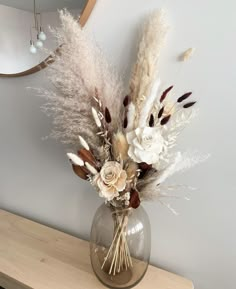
(122, 145)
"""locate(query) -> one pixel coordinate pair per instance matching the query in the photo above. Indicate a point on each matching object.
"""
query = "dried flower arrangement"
(122, 145)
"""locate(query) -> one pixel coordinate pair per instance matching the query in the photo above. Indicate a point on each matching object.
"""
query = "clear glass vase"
(120, 243)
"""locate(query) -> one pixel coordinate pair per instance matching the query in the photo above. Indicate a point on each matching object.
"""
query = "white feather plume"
(148, 103)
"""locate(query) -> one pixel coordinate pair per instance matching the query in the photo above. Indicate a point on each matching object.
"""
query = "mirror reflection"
(25, 35)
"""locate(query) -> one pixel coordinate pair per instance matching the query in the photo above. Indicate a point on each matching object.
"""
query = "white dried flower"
(83, 143)
(96, 117)
(127, 196)
(188, 54)
(111, 180)
(76, 160)
(146, 144)
(91, 168)
(127, 203)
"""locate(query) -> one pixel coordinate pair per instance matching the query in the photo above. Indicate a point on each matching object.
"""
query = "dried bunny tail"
(78, 73)
(83, 143)
(120, 146)
(146, 67)
(130, 117)
(76, 160)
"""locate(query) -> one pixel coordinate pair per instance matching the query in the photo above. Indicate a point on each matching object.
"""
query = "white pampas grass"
(76, 160)
(169, 170)
(188, 160)
(146, 67)
(151, 187)
(83, 143)
(79, 73)
(148, 103)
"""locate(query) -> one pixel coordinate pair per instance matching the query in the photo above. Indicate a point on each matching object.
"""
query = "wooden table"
(36, 256)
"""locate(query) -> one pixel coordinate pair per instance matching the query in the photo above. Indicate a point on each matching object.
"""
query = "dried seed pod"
(81, 172)
(87, 156)
(125, 124)
(189, 104)
(184, 96)
(107, 115)
(165, 119)
(151, 120)
(134, 200)
(165, 92)
(160, 113)
(126, 100)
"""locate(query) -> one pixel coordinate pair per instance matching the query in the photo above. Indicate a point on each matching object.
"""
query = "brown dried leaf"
(88, 157)
(134, 201)
(81, 172)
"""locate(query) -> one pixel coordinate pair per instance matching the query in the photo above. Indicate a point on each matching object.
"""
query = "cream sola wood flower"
(111, 180)
(145, 144)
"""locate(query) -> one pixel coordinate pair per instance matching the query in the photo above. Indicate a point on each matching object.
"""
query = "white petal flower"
(111, 180)
(145, 145)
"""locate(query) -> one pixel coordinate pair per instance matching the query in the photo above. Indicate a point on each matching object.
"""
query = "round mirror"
(25, 32)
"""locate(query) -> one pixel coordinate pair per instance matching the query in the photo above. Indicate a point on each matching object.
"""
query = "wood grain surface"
(35, 256)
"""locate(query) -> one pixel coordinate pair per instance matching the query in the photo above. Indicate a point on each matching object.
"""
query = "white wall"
(15, 38)
(36, 179)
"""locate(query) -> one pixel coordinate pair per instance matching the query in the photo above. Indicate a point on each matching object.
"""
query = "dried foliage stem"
(118, 254)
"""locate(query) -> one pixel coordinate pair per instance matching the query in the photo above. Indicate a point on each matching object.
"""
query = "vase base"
(126, 278)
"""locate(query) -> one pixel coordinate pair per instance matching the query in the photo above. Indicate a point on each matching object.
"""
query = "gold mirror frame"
(82, 21)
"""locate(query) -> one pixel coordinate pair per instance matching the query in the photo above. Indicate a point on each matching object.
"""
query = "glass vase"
(120, 243)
